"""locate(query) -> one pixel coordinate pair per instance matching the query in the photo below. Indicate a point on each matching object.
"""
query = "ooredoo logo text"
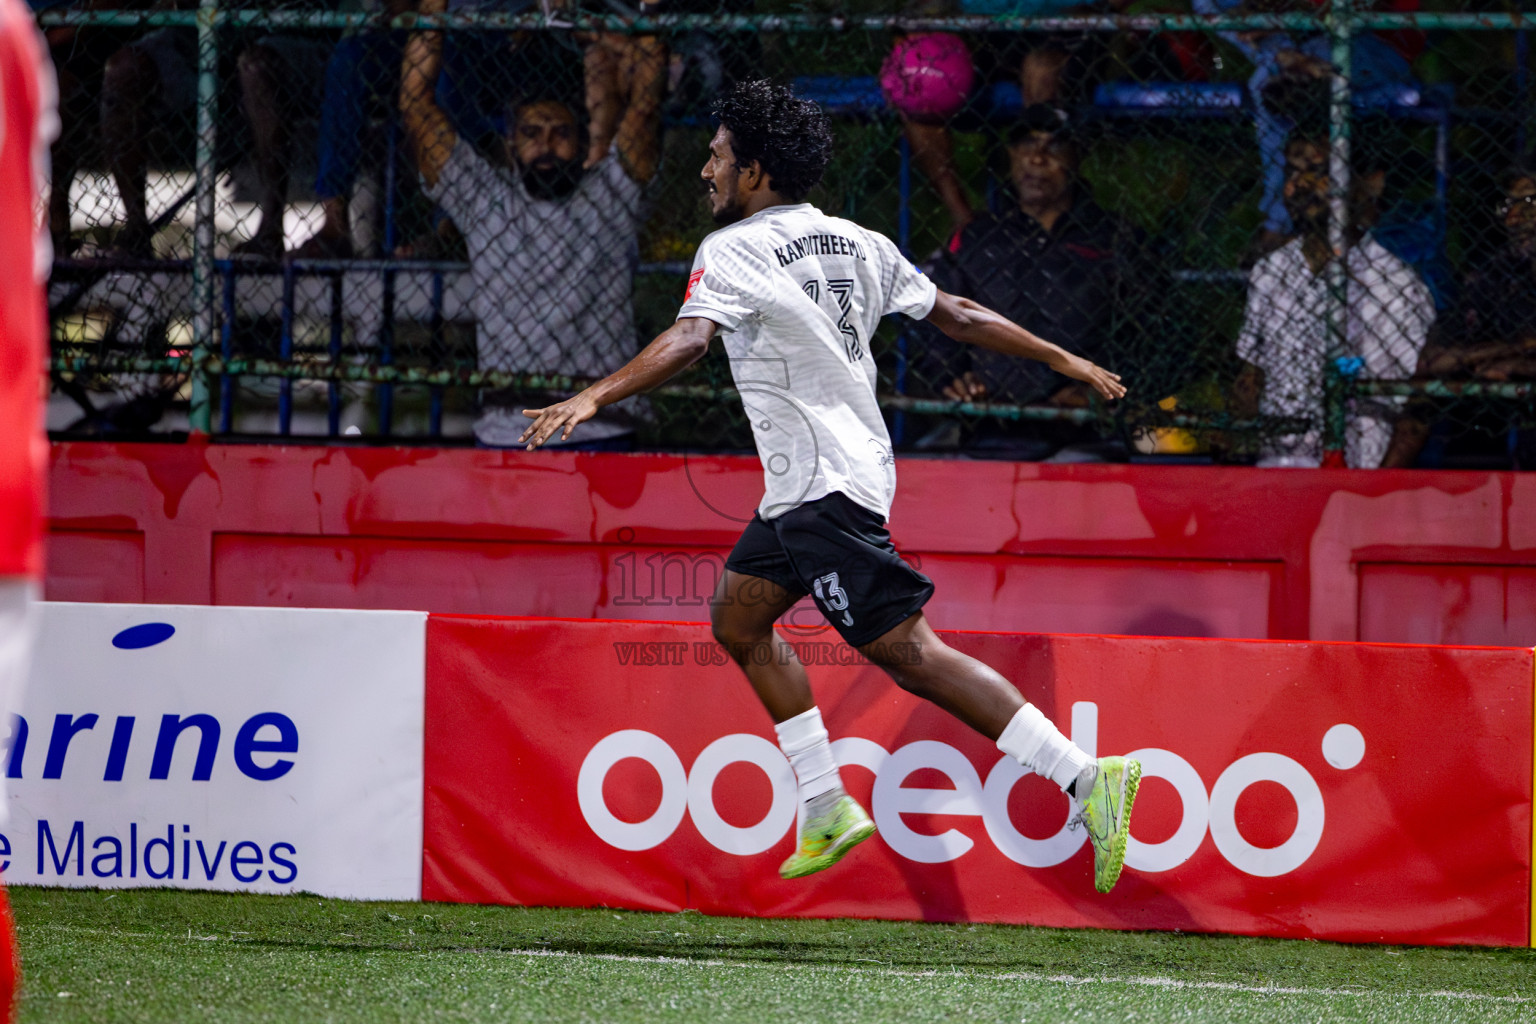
(1205, 811)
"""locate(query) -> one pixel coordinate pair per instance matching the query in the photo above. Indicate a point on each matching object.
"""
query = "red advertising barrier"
(1377, 555)
(1353, 792)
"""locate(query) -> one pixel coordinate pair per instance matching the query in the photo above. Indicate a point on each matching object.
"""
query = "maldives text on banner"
(264, 749)
(1290, 789)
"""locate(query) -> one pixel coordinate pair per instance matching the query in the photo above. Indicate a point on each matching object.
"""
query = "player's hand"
(1101, 380)
(562, 416)
(966, 388)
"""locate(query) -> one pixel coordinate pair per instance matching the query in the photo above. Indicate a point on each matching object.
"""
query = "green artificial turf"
(164, 955)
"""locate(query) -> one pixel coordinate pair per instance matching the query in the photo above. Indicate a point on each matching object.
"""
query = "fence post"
(1340, 31)
(201, 416)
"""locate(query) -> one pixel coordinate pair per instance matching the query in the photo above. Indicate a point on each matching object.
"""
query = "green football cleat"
(1106, 814)
(834, 824)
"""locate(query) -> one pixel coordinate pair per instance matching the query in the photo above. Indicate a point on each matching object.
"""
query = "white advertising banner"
(259, 749)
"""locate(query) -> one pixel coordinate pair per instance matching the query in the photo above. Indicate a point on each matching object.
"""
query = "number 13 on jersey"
(841, 291)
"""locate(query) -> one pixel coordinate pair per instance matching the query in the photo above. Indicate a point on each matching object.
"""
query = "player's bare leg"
(1103, 789)
(742, 614)
(927, 667)
(829, 822)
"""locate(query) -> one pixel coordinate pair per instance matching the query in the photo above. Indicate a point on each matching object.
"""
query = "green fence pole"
(202, 235)
(1340, 30)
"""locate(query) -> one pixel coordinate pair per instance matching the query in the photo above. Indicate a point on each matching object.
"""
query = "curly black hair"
(789, 136)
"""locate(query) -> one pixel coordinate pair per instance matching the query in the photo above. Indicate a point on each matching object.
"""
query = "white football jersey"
(797, 296)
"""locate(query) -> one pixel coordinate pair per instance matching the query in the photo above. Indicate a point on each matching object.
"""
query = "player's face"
(722, 177)
(545, 135)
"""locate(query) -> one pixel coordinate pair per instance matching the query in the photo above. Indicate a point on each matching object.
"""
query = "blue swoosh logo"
(144, 635)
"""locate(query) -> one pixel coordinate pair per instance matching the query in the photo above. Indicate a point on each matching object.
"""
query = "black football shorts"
(841, 554)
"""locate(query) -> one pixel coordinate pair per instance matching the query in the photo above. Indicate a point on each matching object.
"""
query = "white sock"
(1035, 743)
(804, 741)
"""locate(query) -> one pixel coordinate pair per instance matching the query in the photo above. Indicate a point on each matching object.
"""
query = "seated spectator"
(1491, 335)
(552, 243)
(1285, 340)
(152, 83)
(278, 77)
(1056, 264)
(1051, 68)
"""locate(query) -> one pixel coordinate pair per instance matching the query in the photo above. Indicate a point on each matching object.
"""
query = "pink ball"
(928, 76)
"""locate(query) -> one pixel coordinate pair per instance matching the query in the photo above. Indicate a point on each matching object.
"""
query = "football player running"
(796, 296)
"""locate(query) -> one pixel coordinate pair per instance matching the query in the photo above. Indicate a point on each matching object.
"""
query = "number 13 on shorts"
(831, 596)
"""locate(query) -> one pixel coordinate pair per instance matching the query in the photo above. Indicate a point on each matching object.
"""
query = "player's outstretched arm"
(432, 138)
(674, 350)
(975, 324)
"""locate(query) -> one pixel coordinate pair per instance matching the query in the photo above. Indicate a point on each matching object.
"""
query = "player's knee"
(914, 664)
(742, 639)
(728, 629)
(911, 678)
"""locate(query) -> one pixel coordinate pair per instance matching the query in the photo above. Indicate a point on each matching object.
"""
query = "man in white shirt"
(797, 296)
(1285, 339)
(553, 243)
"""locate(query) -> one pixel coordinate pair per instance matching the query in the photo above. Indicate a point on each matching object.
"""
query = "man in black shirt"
(1491, 335)
(1056, 264)
(1497, 324)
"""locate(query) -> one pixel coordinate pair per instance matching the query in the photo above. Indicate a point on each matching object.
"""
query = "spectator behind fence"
(1285, 340)
(1491, 335)
(362, 77)
(552, 244)
(930, 79)
(79, 56)
(484, 72)
(1289, 82)
(152, 84)
(1056, 264)
(703, 64)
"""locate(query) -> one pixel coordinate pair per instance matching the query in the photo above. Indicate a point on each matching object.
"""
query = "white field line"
(1143, 981)
(1054, 979)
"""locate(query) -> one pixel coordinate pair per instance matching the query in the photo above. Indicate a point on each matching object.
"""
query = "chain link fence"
(1303, 233)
